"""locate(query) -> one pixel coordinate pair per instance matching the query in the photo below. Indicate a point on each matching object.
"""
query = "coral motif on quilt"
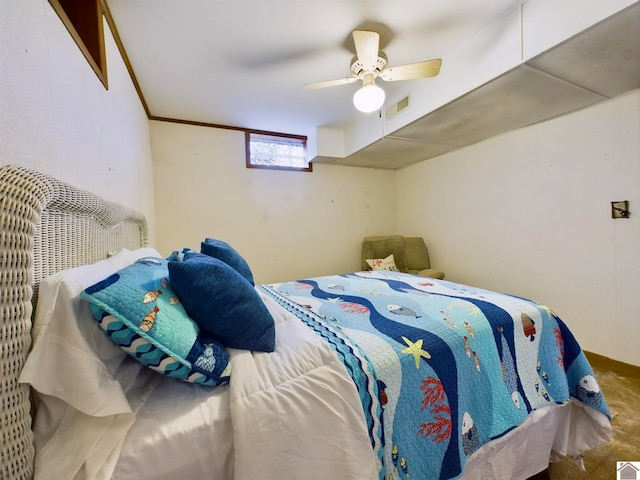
(441, 368)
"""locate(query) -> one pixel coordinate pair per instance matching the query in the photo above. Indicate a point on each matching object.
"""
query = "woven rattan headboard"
(47, 226)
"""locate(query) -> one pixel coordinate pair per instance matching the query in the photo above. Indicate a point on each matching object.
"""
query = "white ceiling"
(243, 63)
(506, 64)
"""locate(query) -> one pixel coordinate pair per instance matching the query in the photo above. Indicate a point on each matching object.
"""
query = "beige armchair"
(410, 254)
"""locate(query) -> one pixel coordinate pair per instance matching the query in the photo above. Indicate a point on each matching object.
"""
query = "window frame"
(84, 21)
(296, 139)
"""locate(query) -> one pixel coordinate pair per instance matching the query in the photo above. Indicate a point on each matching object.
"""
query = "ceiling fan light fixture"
(369, 98)
(370, 63)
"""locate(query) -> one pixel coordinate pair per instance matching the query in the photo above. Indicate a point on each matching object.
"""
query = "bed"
(372, 375)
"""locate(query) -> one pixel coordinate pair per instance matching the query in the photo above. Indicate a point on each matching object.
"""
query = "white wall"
(57, 117)
(525, 213)
(287, 225)
(528, 213)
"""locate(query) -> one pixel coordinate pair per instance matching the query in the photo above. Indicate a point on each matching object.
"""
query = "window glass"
(277, 151)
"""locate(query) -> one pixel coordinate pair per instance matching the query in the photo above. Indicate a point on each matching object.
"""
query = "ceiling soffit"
(598, 63)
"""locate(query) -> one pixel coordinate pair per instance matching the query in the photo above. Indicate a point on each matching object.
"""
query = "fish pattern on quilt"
(441, 368)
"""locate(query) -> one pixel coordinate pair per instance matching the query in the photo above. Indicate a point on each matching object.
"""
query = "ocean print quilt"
(441, 368)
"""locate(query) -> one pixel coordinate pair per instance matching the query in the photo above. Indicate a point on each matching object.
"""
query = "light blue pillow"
(179, 255)
(223, 303)
(140, 312)
(226, 253)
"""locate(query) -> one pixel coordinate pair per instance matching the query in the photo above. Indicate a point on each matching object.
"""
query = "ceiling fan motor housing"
(358, 68)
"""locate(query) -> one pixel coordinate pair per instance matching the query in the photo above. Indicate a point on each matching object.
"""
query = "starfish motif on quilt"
(415, 349)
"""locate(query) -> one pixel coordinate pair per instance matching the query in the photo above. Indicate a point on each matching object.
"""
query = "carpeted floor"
(620, 384)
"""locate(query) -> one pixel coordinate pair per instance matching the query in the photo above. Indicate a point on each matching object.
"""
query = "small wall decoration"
(620, 209)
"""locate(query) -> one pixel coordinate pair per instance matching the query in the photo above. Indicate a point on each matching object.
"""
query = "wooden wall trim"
(615, 365)
(123, 54)
(84, 28)
(226, 127)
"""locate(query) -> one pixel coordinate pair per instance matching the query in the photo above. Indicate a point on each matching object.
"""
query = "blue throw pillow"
(224, 252)
(223, 303)
(139, 311)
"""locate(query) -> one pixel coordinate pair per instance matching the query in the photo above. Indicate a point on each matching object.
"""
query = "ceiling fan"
(369, 64)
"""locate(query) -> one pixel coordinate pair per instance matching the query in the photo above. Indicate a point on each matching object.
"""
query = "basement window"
(277, 151)
(83, 20)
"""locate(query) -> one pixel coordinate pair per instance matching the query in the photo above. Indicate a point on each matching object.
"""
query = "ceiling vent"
(397, 107)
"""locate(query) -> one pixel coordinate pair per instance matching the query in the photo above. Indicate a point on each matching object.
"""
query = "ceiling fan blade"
(428, 68)
(367, 44)
(330, 83)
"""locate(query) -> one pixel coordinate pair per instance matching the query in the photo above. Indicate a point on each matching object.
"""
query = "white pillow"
(71, 357)
(388, 263)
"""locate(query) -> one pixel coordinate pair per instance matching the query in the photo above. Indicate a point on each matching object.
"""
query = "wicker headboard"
(47, 226)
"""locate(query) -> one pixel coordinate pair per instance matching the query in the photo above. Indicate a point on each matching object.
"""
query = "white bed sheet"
(182, 431)
(547, 433)
(198, 418)
(88, 390)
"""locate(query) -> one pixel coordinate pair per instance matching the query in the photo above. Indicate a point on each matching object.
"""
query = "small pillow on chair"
(382, 247)
(224, 252)
(223, 303)
(383, 263)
